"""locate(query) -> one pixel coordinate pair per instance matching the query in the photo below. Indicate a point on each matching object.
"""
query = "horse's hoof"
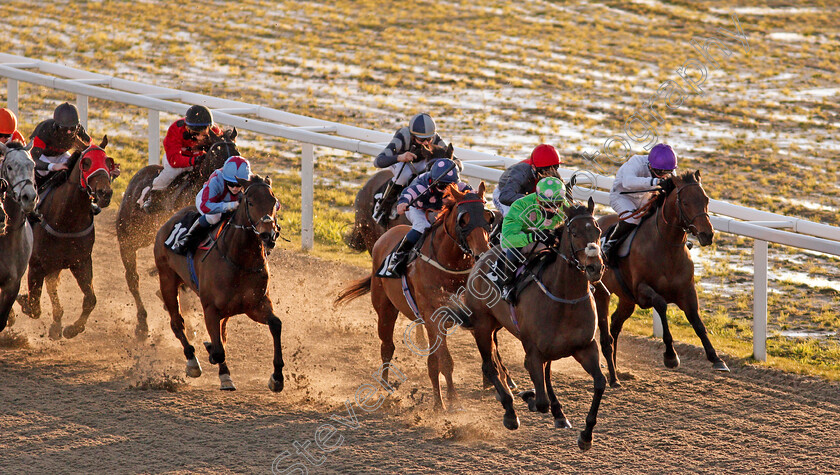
(72, 330)
(562, 423)
(11, 320)
(55, 331)
(141, 332)
(23, 301)
(193, 368)
(530, 397)
(226, 383)
(584, 445)
(511, 423)
(671, 362)
(721, 366)
(275, 385)
(615, 384)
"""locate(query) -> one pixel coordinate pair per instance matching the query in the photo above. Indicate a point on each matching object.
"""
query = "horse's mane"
(71, 162)
(669, 186)
(451, 197)
(15, 145)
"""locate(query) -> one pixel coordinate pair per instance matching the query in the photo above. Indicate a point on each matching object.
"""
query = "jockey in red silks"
(219, 195)
(639, 173)
(185, 143)
(8, 128)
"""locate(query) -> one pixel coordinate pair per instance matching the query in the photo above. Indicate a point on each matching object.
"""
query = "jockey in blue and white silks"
(219, 195)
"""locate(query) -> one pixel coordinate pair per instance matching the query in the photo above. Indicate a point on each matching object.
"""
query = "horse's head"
(96, 169)
(18, 174)
(582, 234)
(221, 148)
(260, 206)
(467, 221)
(688, 206)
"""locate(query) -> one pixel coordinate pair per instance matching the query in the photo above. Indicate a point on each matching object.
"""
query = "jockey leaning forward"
(521, 179)
(8, 128)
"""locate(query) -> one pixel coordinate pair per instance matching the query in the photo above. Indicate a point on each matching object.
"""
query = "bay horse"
(231, 278)
(555, 317)
(366, 231)
(659, 269)
(64, 238)
(136, 228)
(458, 235)
(17, 185)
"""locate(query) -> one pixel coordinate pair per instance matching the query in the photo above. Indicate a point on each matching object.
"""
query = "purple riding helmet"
(662, 157)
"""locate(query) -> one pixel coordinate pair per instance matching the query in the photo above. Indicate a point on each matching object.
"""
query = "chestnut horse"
(554, 318)
(231, 278)
(136, 228)
(458, 235)
(64, 238)
(17, 186)
(659, 269)
(365, 230)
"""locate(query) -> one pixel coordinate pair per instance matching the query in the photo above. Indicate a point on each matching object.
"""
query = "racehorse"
(231, 277)
(17, 184)
(136, 228)
(659, 269)
(366, 231)
(64, 238)
(458, 235)
(554, 318)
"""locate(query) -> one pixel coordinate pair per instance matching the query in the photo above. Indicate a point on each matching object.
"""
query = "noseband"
(574, 261)
(271, 238)
(686, 225)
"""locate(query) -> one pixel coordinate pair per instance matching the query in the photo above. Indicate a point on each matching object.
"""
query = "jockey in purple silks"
(219, 195)
(639, 173)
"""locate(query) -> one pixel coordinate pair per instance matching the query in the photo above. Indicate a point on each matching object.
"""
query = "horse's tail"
(353, 291)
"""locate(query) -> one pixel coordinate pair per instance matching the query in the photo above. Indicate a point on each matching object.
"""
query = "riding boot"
(620, 232)
(506, 276)
(396, 267)
(386, 203)
(191, 240)
(154, 201)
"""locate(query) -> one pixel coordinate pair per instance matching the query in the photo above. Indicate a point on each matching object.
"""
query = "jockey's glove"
(229, 206)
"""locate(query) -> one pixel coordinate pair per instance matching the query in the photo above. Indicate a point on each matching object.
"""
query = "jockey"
(529, 227)
(219, 195)
(403, 163)
(639, 173)
(8, 128)
(521, 179)
(53, 139)
(423, 195)
(184, 145)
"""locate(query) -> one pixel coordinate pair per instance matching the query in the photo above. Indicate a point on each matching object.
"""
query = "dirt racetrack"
(103, 402)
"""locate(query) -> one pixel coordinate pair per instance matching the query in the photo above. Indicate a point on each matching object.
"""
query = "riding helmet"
(66, 115)
(236, 167)
(662, 157)
(545, 155)
(198, 116)
(551, 190)
(8, 121)
(444, 170)
(422, 126)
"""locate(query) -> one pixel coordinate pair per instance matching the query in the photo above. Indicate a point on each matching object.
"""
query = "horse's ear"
(450, 150)
(104, 142)
(86, 163)
(481, 189)
(591, 206)
(243, 183)
(232, 134)
(3, 149)
(697, 175)
(267, 180)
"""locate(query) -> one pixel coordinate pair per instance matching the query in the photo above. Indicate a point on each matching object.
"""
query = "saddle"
(533, 267)
(184, 225)
(624, 244)
(412, 255)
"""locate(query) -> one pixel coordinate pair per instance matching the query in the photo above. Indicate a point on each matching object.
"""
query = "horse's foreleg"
(622, 312)
(264, 313)
(169, 284)
(129, 259)
(57, 311)
(484, 341)
(446, 366)
(689, 305)
(433, 365)
(536, 368)
(589, 359)
(670, 357)
(560, 421)
(215, 347)
(387, 315)
(7, 299)
(510, 382)
(602, 304)
(83, 272)
(30, 304)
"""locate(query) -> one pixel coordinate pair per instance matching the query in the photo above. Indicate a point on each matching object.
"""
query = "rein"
(252, 227)
(460, 240)
(682, 223)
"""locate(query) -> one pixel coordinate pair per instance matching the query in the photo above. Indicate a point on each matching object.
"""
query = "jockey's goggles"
(5, 136)
(660, 171)
(422, 139)
(61, 128)
(197, 129)
(231, 184)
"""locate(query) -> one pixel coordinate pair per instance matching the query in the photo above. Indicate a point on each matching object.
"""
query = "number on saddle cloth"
(180, 229)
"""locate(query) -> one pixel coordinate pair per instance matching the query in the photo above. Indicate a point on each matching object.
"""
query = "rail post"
(760, 300)
(154, 137)
(307, 196)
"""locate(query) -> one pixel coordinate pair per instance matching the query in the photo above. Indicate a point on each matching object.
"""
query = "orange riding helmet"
(8, 121)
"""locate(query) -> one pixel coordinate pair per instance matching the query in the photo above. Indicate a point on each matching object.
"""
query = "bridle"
(84, 181)
(14, 186)
(567, 228)
(686, 225)
(267, 240)
(477, 220)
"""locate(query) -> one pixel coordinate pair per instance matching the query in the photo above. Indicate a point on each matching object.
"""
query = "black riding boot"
(620, 232)
(191, 240)
(386, 203)
(396, 267)
(154, 201)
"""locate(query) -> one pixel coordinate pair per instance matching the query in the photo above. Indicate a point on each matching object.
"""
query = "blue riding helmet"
(236, 167)
(422, 126)
(444, 170)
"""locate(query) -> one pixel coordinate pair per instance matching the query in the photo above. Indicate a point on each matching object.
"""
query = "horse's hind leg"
(602, 304)
(169, 284)
(446, 366)
(622, 313)
(30, 304)
(670, 357)
(484, 341)
(588, 358)
(689, 305)
(129, 259)
(433, 365)
(83, 272)
(502, 368)
(216, 348)
(387, 315)
(57, 311)
(560, 421)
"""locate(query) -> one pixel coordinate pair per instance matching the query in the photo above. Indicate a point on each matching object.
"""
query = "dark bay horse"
(555, 317)
(136, 228)
(65, 236)
(659, 269)
(458, 235)
(17, 187)
(232, 278)
(366, 230)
